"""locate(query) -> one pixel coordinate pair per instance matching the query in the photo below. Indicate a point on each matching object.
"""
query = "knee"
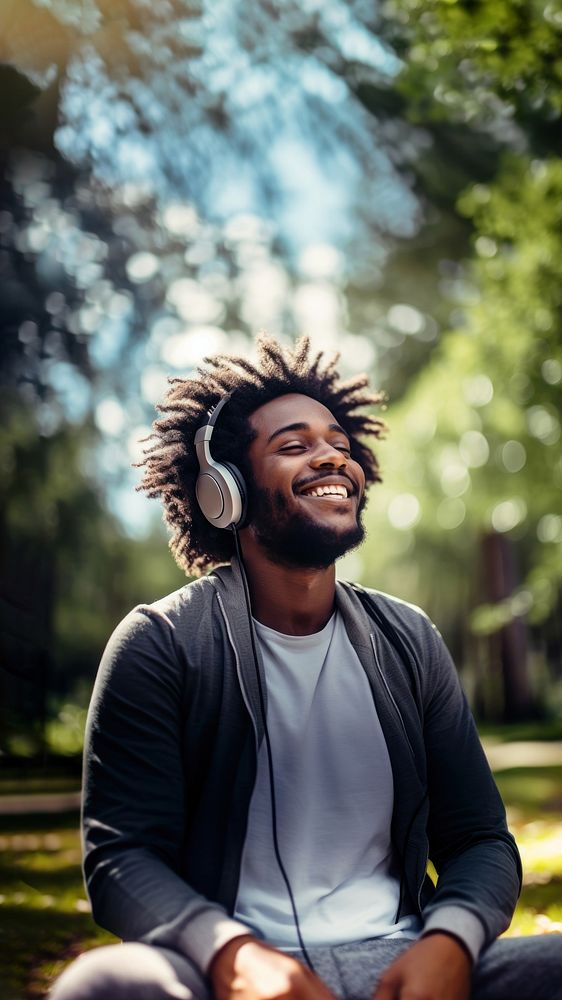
(120, 972)
(523, 967)
(90, 977)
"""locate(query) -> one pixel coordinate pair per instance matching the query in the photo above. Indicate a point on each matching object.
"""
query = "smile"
(330, 492)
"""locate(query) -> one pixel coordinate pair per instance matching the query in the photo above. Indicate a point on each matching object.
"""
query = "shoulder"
(406, 629)
(399, 613)
(396, 606)
(189, 601)
(168, 623)
(193, 600)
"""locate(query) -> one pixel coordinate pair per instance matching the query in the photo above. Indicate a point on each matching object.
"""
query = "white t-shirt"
(334, 797)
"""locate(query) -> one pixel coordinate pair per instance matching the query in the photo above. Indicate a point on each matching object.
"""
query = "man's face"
(307, 492)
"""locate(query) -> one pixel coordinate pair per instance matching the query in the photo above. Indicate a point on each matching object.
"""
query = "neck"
(292, 600)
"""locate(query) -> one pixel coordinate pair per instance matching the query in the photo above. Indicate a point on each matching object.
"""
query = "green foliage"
(475, 442)
(42, 482)
(463, 57)
(65, 734)
(69, 573)
(519, 273)
(481, 427)
(475, 449)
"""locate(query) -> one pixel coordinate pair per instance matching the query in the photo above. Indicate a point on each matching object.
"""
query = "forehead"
(292, 408)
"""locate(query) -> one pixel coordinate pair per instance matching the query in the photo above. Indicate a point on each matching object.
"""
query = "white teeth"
(331, 489)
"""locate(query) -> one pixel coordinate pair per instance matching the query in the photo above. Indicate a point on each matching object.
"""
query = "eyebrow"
(304, 427)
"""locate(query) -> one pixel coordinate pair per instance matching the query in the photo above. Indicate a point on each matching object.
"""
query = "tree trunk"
(510, 643)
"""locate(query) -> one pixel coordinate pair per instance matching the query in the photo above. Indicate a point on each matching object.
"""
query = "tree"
(486, 408)
(130, 251)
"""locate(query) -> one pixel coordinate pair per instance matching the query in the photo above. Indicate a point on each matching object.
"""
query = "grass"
(528, 792)
(533, 796)
(45, 919)
(53, 774)
(541, 730)
(44, 915)
(38, 785)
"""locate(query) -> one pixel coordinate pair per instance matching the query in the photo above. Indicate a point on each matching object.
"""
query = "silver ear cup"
(220, 489)
(219, 496)
(210, 496)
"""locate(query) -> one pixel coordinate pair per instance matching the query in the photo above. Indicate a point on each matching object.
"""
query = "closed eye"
(298, 445)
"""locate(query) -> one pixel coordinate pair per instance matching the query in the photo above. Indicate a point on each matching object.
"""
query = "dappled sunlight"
(540, 845)
(505, 515)
(451, 513)
(404, 511)
(385, 178)
(539, 910)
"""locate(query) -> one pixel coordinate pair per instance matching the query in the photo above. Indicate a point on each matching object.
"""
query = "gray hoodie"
(170, 763)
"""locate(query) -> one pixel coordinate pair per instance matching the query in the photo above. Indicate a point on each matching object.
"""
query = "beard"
(291, 538)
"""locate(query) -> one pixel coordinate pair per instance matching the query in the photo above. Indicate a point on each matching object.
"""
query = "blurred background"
(177, 175)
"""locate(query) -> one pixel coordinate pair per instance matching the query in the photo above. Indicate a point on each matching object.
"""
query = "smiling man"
(272, 757)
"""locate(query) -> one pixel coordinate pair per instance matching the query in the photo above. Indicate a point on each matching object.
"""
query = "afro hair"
(170, 462)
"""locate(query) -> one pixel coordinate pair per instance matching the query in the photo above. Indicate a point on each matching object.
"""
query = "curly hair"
(170, 463)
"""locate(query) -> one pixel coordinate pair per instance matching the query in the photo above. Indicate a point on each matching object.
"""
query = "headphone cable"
(269, 754)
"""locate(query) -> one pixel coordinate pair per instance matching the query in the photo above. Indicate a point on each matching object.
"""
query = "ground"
(44, 915)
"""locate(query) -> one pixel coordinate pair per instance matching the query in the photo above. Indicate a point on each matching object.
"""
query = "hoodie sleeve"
(475, 856)
(134, 807)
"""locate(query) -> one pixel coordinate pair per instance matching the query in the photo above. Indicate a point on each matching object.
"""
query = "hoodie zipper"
(391, 696)
(419, 806)
(406, 839)
(420, 887)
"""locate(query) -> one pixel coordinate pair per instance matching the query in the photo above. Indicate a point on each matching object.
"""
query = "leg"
(131, 972)
(525, 968)
(352, 971)
(528, 968)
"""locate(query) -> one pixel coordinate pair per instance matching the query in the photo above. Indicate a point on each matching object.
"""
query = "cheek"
(279, 474)
(359, 476)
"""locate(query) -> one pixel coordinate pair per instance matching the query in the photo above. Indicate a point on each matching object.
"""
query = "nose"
(326, 456)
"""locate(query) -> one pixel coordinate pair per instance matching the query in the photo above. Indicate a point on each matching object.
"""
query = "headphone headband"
(215, 410)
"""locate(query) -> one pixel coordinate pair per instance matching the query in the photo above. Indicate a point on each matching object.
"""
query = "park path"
(48, 802)
(501, 757)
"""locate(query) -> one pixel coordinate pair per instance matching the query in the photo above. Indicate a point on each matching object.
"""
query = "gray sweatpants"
(525, 968)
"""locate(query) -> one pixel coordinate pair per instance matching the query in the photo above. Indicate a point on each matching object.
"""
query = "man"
(272, 756)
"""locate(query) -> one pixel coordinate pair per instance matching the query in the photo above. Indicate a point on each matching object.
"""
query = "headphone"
(220, 488)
